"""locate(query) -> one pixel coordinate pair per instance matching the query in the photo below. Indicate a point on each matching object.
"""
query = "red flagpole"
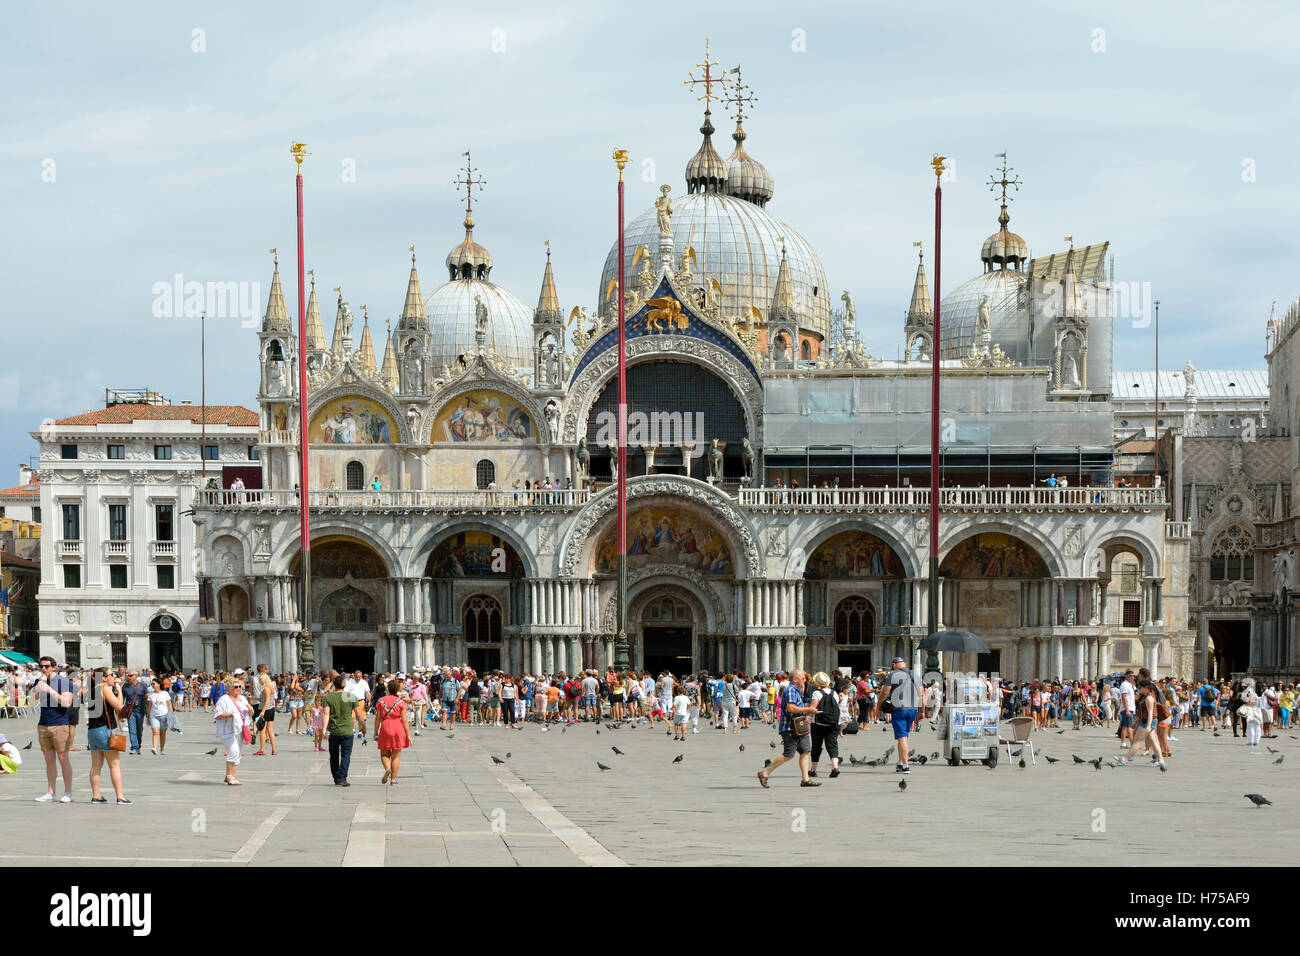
(622, 658)
(932, 623)
(306, 655)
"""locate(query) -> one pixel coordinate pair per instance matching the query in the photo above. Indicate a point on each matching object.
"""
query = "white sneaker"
(1124, 744)
(45, 798)
(1173, 738)
(66, 798)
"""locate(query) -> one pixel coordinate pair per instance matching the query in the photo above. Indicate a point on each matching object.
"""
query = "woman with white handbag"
(233, 716)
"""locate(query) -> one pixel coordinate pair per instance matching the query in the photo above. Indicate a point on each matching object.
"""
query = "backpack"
(828, 711)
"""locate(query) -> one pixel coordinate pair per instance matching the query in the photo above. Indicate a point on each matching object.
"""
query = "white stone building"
(118, 551)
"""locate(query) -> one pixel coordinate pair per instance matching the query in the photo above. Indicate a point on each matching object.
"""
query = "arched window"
(855, 621)
(1232, 556)
(482, 620)
(805, 351)
(485, 472)
(356, 476)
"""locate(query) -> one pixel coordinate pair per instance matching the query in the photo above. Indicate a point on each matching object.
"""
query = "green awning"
(13, 657)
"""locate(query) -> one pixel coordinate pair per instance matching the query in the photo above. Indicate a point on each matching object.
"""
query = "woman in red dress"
(392, 730)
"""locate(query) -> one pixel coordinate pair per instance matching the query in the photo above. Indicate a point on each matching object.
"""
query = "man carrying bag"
(795, 729)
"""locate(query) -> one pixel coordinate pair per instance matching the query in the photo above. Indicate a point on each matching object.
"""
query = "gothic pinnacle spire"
(277, 316)
(315, 328)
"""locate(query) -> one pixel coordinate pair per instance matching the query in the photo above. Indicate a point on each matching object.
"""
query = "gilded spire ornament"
(469, 182)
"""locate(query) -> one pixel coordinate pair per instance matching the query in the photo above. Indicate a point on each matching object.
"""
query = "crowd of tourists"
(809, 712)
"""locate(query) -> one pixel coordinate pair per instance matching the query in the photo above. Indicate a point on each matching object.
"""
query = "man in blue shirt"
(134, 694)
(1208, 695)
(54, 695)
(793, 702)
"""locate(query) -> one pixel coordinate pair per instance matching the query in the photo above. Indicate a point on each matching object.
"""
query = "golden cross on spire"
(412, 255)
(469, 182)
(275, 257)
(739, 97)
(548, 250)
(708, 79)
(1004, 182)
(312, 273)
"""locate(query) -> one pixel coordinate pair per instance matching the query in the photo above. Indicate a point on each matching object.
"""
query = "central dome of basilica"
(723, 217)
(739, 244)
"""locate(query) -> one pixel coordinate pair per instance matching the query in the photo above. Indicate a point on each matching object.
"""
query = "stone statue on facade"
(1189, 380)
(583, 457)
(850, 315)
(480, 316)
(275, 381)
(715, 460)
(747, 457)
(1070, 373)
(664, 210)
(553, 419)
(982, 321)
(552, 365)
(414, 371)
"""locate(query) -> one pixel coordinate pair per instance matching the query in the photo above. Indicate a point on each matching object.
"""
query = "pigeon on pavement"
(1258, 799)
(742, 747)
(1279, 759)
(602, 766)
(617, 751)
(771, 743)
(922, 759)
(1271, 750)
(1096, 764)
(212, 752)
(1022, 763)
(853, 761)
(29, 745)
(902, 785)
(679, 758)
(1059, 732)
(1052, 759)
(1078, 759)
(496, 759)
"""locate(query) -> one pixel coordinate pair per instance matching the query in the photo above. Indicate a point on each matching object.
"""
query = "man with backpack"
(825, 724)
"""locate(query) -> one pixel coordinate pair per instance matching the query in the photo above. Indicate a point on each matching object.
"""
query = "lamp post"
(932, 622)
(306, 649)
(622, 653)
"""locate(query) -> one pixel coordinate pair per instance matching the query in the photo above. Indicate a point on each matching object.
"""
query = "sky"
(143, 141)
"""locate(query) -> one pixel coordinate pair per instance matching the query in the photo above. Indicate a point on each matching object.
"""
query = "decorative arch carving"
(1109, 544)
(971, 527)
(836, 525)
(469, 383)
(587, 386)
(654, 580)
(730, 518)
(362, 388)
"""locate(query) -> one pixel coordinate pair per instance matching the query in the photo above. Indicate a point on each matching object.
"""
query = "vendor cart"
(968, 724)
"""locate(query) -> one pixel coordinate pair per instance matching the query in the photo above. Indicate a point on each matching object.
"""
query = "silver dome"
(1008, 321)
(739, 244)
(451, 323)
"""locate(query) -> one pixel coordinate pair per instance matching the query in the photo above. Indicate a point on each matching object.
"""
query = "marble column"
(751, 656)
(209, 656)
(1058, 656)
(1103, 656)
(539, 661)
(401, 653)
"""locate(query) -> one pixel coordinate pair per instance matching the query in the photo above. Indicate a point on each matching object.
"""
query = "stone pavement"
(550, 805)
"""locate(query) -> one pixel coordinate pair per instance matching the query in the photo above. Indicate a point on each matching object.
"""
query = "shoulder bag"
(117, 737)
(800, 724)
